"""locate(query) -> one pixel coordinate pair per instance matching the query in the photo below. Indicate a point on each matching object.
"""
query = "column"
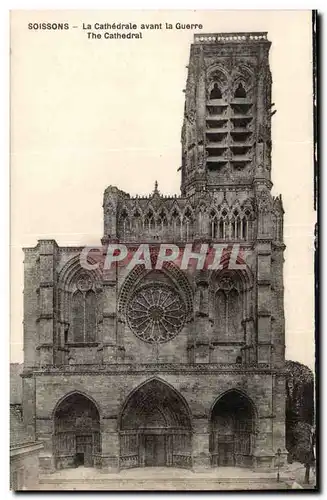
(31, 284)
(47, 262)
(44, 428)
(201, 95)
(109, 326)
(263, 447)
(28, 383)
(278, 327)
(200, 446)
(264, 301)
(202, 325)
(279, 420)
(109, 445)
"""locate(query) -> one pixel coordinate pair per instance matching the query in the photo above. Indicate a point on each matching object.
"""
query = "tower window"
(162, 221)
(215, 92)
(221, 230)
(125, 223)
(137, 221)
(149, 222)
(240, 91)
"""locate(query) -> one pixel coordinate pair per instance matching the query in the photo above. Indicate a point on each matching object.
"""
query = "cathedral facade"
(131, 366)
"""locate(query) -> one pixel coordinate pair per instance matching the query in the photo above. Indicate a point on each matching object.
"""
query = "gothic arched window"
(238, 226)
(84, 323)
(78, 317)
(213, 228)
(137, 221)
(228, 312)
(278, 227)
(188, 224)
(220, 310)
(162, 222)
(149, 222)
(247, 225)
(176, 223)
(221, 230)
(90, 316)
(125, 222)
(234, 312)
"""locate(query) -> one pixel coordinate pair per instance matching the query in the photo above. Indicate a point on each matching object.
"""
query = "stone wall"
(110, 391)
(24, 468)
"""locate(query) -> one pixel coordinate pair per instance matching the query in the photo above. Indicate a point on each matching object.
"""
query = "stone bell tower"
(226, 165)
(226, 135)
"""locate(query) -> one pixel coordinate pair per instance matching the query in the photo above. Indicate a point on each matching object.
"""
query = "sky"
(87, 113)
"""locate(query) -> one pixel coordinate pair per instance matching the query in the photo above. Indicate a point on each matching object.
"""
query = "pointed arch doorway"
(77, 439)
(155, 428)
(232, 430)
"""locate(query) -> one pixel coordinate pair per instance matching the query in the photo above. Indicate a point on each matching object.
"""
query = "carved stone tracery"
(156, 313)
(84, 283)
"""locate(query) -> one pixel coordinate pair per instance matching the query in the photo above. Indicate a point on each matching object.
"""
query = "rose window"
(156, 313)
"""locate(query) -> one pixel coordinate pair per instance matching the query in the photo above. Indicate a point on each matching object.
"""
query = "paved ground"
(156, 478)
(296, 471)
(167, 486)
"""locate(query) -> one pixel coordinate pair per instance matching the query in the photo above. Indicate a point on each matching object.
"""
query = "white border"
(4, 171)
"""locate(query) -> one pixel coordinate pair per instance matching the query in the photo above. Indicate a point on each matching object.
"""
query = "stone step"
(156, 485)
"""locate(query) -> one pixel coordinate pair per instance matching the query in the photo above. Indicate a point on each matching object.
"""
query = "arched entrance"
(232, 430)
(76, 432)
(155, 428)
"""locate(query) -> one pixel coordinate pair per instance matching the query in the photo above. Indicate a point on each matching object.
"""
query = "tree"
(299, 411)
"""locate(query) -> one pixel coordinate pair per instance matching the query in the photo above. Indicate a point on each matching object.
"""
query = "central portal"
(155, 428)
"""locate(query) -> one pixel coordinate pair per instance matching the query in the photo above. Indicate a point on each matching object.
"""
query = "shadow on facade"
(77, 432)
(232, 430)
(155, 428)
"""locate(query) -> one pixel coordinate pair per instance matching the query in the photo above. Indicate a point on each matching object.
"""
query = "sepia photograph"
(163, 224)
